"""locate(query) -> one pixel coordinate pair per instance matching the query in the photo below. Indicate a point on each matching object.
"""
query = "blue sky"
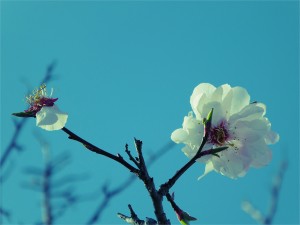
(127, 69)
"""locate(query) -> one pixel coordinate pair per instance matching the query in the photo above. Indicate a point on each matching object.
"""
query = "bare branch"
(275, 193)
(164, 188)
(149, 183)
(131, 157)
(256, 214)
(110, 194)
(132, 219)
(5, 214)
(100, 151)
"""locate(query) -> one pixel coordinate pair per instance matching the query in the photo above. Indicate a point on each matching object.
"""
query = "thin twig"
(132, 219)
(131, 157)
(118, 158)
(164, 188)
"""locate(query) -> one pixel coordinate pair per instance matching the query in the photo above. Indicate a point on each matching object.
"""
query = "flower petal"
(179, 136)
(188, 151)
(200, 96)
(271, 137)
(208, 168)
(231, 163)
(240, 99)
(259, 152)
(51, 118)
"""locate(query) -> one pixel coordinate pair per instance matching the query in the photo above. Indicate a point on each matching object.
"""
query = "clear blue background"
(127, 69)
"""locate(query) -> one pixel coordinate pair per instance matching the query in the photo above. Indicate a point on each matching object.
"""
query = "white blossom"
(236, 123)
(43, 107)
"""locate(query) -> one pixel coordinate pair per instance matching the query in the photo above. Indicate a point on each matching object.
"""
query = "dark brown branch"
(164, 188)
(118, 158)
(131, 157)
(172, 202)
(149, 183)
(110, 194)
(132, 219)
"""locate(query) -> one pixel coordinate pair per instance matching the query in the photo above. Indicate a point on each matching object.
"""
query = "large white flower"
(236, 123)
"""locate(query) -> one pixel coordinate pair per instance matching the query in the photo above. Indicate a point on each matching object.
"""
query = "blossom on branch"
(42, 106)
(236, 123)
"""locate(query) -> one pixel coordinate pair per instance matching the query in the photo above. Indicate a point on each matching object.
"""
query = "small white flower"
(51, 118)
(236, 123)
(43, 107)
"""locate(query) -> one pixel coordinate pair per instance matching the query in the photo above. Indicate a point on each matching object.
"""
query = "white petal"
(226, 88)
(179, 136)
(191, 132)
(251, 130)
(271, 138)
(250, 112)
(189, 122)
(188, 151)
(217, 94)
(259, 152)
(206, 88)
(226, 104)
(240, 99)
(231, 163)
(208, 168)
(200, 95)
(51, 118)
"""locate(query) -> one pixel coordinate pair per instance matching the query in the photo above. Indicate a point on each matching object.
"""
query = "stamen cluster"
(38, 99)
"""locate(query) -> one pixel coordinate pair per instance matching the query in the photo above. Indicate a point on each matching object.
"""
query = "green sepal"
(209, 117)
(216, 150)
(24, 114)
(215, 154)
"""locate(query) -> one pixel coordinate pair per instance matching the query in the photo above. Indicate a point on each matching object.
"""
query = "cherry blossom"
(236, 123)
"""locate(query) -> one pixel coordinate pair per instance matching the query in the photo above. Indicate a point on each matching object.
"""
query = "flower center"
(219, 134)
(38, 99)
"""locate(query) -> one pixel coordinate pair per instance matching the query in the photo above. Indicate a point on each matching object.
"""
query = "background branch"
(256, 214)
(13, 144)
